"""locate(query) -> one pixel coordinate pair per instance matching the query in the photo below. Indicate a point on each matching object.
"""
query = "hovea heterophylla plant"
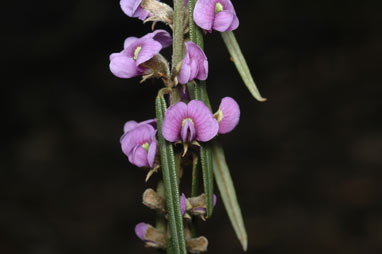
(183, 135)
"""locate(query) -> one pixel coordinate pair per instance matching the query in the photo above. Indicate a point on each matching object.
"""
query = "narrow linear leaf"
(240, 63)
(170, 182)
(228, 193)
(208, 176)
(195, 176)
(160, 220)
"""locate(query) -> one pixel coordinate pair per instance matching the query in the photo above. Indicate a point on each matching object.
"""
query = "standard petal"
(223, 20)
(123, 66)
(172, 122)
(204, 14)
(130, 6)
(231, 115)
(149, 48)
(129, 126)
(136, 137)
(129, 41)
(206, 126)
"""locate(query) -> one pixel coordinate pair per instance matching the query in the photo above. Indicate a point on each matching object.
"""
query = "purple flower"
(140, 230)
(183, 204)
(188, 122)
(194, 65)
(133, 9)
(139, 144)
(127, 63)
(228, 115)
(130, 125)
(219, 15)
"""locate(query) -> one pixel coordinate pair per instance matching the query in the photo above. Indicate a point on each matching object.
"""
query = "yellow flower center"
(146, 146)
(218, 7)
(136, 52)
(219, 115)
(185, 120)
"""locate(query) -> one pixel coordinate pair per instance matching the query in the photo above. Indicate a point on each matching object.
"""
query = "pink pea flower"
(127, 63)
(228, 115)
(219, 15)
(194, 65)
(189, 122)
(133, 9)
(139, 144)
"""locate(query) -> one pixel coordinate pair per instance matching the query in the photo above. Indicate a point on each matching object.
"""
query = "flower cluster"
(187, 121)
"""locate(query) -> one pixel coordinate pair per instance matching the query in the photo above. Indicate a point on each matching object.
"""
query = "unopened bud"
(199, 204)
(150, 235)
(158, 68)
(153, 200)
(158, 11)
(197, 245)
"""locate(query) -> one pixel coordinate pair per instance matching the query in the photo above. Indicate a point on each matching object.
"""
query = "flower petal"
(204, 14)
(235, 24)
(129, 41)
(130, 6)
(136, 137)
(183, 204)
(231, 115)
(152, 152)
(223, 20)
(188, 131)
(141, 13)
(129, 126)
(149, 48)
(185, 71)
(140, 230)
(161, 36)
(172, 122)
(123, 66)
(139, 158)
(206, 125)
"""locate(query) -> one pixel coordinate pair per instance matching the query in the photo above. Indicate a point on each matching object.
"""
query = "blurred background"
(307, 163)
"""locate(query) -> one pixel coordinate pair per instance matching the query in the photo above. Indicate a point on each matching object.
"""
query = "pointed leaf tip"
(228, 193)
(241, 65)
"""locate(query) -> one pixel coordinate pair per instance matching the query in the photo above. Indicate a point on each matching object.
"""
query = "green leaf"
(170, 182)
(240, 63)
(208, 176)
(195, 176)
(228, 193)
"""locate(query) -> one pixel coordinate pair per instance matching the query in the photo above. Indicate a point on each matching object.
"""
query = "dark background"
(307, 163)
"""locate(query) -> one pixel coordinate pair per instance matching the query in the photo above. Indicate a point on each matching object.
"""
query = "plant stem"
(178, 39)
(178, 43)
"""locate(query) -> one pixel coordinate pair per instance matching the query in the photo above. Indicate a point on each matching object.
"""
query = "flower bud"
(150, 235)
(153, 200)
(199, 204)
(158, 11)
(197, 245)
